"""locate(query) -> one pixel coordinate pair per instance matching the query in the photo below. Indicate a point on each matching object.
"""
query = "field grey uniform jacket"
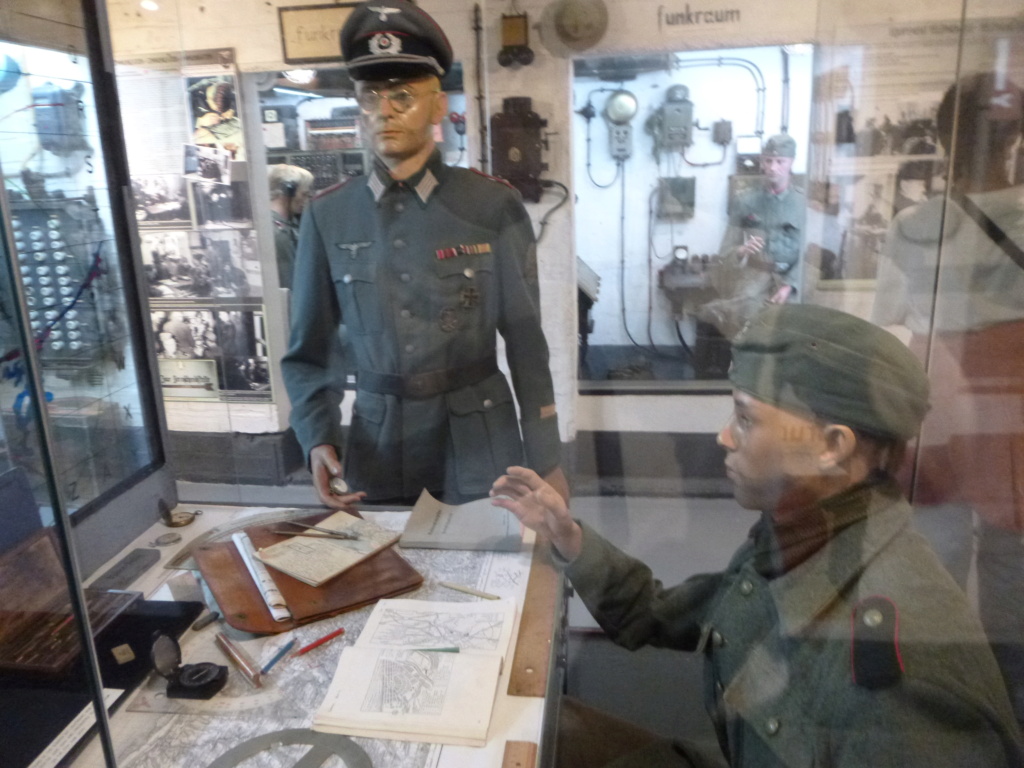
(864, 654)
(423, 273)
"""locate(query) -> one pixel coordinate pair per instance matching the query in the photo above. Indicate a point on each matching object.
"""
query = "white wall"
(718, 92)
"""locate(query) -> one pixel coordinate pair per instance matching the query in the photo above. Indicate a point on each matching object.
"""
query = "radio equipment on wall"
(619, 110)
(515, 40)
(516, 145)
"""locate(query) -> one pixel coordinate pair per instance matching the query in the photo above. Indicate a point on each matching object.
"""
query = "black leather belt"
(429, 383)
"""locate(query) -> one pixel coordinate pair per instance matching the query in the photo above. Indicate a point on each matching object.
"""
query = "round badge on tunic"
(448, 319)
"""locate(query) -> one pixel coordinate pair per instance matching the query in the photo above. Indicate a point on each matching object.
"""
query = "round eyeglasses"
(400, 99)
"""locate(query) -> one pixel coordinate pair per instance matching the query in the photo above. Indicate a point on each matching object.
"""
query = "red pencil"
(321, 641)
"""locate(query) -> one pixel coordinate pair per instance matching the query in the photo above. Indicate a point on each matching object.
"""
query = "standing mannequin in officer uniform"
(834, 637)
(290, 189)
(424, 264)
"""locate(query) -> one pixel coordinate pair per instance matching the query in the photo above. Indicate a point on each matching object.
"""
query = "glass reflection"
(61, 229)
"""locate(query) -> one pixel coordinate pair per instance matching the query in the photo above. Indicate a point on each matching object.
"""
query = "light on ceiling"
(149, 5)
(300, 76)
(296, 92)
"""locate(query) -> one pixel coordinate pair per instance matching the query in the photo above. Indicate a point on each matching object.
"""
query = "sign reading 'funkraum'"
(685, 16)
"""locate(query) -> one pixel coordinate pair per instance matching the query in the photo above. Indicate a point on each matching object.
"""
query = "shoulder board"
(875, 643)
(498, 179)
(333, 187)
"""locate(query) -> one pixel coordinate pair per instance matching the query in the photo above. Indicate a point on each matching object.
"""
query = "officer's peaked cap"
(393, 39)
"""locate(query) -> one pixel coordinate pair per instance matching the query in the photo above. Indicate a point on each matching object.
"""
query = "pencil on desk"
(281, 653)
(321, 641)
(469, 590)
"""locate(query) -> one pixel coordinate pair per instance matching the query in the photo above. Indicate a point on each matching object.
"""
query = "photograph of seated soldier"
(834, 636)
(424, 264)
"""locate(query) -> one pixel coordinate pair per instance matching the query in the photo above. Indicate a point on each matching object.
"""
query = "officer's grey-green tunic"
(286, 235)
(423, 273)
(780, 216)
(779, 652)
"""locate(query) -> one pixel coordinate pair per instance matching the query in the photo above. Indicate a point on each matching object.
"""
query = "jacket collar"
(810, 588)
(423, 182)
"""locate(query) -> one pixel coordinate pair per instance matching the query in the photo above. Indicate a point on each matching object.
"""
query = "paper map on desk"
(242, 712)
(317, 560)
(479, 627)
(421, 670)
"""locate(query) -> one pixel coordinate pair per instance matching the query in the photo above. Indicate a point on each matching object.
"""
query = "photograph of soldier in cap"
(759, 258)
(834, 636)
(424, 264)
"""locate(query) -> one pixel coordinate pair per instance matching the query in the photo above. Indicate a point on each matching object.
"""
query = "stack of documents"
(315, 557)
(421, 671)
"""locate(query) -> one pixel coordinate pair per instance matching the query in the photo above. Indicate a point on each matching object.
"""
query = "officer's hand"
(781, 296)
(753, 246)
(540, 508)
(324, 465)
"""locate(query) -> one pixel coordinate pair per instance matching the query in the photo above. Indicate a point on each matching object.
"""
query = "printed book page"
(316, 560)
(411, 695)
(421, 671)
(478, 627)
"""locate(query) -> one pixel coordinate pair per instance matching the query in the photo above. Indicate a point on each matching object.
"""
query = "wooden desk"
(147, 733)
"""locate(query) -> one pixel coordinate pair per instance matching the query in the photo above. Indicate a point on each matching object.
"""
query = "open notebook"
(421, 671)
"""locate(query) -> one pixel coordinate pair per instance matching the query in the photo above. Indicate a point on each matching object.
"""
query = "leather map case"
(385, 574)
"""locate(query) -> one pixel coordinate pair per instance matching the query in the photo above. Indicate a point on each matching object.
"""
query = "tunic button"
(488, 403)
(405, 277)
(406, 314)
(410, 347)
(746, 587)
(399, 243)
(399, 207)
(716, 639)
(468, 272)
(772, 726)
(873, 617)
(346, 279)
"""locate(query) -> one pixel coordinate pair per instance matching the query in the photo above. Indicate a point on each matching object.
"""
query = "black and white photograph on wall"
(214, 264)
(235, 340)
(184, 334)
(243, 351)
(233, 261)
(211, 163)
(218, 205)
(213, 107)
(165, 261)
(910, 130)
(161, 200)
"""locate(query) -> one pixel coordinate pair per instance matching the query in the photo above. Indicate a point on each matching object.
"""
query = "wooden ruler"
(519, 754)
(529, 676)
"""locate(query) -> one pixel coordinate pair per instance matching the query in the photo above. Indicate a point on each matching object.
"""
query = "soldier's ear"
(440, 108)
(840, 444)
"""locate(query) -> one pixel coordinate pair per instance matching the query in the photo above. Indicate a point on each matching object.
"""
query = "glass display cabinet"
(82, 469)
